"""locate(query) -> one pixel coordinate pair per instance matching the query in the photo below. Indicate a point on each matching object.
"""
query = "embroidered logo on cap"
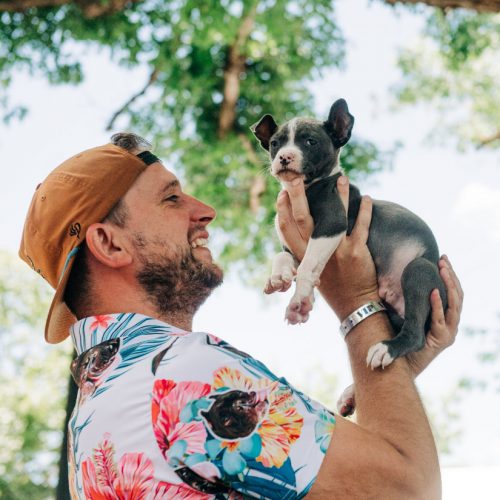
(74, 229)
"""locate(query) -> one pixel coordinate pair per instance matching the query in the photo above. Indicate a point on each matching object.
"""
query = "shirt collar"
(130, 327)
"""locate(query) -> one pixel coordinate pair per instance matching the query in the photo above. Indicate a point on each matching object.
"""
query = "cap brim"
(60, 318)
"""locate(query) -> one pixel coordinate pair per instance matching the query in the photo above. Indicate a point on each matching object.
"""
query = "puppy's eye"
(311, 142)
(274, 143)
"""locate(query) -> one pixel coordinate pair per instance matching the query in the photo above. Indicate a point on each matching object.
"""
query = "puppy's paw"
(346, 403)
(378, 356)
(279, 282)
(298, 310)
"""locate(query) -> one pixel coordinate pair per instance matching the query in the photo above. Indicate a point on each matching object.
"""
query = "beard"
(179, 283)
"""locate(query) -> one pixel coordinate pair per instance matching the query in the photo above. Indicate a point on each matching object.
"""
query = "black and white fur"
(403, 247)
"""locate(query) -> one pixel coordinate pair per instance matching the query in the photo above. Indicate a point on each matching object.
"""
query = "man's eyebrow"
(169, 186)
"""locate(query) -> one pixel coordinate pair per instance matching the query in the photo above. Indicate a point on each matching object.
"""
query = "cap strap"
(148, 158)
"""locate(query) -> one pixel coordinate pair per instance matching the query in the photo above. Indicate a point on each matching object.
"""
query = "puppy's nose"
(286, 158)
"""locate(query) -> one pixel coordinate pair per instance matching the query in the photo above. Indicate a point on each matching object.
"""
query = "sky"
(457, 194)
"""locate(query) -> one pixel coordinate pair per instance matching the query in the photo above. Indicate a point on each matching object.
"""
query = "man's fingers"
(300, 208)
(437, 312)
(443, 328)
(452, 284)
(454, 302)
(446, 263)
(455, 297)
(362, 225)
(285, 216)
(283, 208)
(289, 230)
(343, 190)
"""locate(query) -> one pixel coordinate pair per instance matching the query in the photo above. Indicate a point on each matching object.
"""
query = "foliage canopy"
(33, 379)
(455, 68)
(214, 69)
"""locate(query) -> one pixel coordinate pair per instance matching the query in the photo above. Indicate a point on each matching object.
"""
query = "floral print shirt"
(168, 414)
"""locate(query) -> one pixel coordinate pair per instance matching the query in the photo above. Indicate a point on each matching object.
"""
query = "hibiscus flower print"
(177, 439)
(278, 427)
(168, 491)
(101, 321)
(132, 478)
(323, 430)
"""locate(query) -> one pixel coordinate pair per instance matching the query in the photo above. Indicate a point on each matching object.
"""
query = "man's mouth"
(199, 242)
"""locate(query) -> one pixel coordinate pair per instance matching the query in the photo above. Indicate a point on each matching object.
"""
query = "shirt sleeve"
(228, 425)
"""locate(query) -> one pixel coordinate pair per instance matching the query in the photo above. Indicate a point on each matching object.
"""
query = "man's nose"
(202, 212)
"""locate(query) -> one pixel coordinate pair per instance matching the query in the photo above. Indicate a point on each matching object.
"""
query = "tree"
(214, 69)
(32, 387)
(455, 68)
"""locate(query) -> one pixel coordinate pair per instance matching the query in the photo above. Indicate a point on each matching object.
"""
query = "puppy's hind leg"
(419, 278)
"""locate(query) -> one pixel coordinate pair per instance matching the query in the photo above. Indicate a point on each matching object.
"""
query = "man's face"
(168, 234)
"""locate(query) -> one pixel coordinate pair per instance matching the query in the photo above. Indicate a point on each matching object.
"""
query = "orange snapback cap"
(78, 193)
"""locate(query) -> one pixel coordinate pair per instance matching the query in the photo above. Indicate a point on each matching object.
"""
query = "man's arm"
(390, 452)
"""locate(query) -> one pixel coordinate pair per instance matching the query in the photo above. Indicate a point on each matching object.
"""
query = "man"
(164, 412)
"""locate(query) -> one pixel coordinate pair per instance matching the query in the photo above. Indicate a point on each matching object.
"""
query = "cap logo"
(74, 229)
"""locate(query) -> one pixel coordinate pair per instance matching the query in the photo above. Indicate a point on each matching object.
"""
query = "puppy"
(403, 247)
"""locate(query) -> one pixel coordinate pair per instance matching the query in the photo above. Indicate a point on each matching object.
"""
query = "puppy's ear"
(339, 123)
(264, 129)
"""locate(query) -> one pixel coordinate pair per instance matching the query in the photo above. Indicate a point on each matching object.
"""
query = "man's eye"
(311, 142)
(172, 197)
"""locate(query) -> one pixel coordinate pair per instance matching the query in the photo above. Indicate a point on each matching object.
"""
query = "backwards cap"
(78, 193)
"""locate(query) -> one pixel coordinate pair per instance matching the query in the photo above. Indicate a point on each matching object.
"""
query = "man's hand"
(349, 277)
(294, 219)
(444, 325)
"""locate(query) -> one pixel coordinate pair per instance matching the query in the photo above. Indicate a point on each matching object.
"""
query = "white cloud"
(479, 205)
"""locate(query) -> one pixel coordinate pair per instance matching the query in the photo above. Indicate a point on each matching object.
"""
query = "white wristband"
(359, 315)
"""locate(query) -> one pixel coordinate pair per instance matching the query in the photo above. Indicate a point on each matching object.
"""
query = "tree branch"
(486, 141)
(258, 187)
(477, 5)
(234, 67)
(152, 78)
(90, 8)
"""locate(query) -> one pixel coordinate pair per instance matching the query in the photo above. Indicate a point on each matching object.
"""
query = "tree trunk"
(235, 65)
(477, 5)
(62, 491)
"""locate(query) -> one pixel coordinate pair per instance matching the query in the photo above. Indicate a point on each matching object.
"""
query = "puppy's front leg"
(330, 226)
(318, 252)
(283, 270)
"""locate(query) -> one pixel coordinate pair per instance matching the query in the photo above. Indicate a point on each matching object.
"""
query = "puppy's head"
(303, 146)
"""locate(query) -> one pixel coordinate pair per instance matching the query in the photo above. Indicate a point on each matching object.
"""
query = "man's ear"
(339, 124)
(264, 129)
(105, 243)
